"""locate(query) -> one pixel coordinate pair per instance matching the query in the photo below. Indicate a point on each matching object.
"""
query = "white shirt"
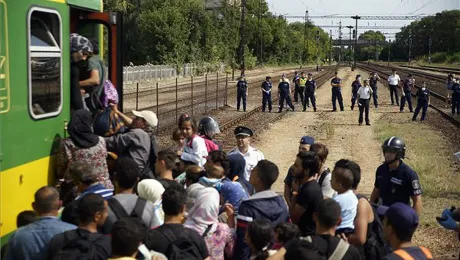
(348, 203)
(195, 151)
(252, 157)
(364, 92)
(394, 79)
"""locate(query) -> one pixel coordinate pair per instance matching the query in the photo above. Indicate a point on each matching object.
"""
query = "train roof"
(87, 4)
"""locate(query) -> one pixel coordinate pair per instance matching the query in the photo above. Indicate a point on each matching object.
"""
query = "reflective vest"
(302, 82)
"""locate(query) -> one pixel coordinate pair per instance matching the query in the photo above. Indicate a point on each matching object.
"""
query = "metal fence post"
(176, 99)
(226, 88)
(158, 112)
(191, 78)
(206, 92)
(217, 90)
(137, 96)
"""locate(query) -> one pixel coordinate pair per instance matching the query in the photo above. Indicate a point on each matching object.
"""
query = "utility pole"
(410, 45)
(340, 41)
(259, 32)
(242, 25)
(389, 52)
(317, 50)
(430, 42)
(349, 44)
(331, 46)
(375, 46)
(305, 40)
(356, 17)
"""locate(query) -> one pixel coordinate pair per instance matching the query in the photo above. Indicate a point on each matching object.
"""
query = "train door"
(107, 28)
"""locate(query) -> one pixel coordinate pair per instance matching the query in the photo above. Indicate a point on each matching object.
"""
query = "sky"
(360, 7)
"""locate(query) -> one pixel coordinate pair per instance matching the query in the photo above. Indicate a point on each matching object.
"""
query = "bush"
(454, 58)
(439, 57)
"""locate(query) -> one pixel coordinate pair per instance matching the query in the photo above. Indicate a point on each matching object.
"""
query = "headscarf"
(150, 189)
(80, 129)
(80, 43)
(192, 193)
(233, 193)
(205, 212)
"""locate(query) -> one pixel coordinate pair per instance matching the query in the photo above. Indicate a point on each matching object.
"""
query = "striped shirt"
(97, 189)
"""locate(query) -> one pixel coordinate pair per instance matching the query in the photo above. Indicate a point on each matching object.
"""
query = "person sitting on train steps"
(399, 225)
(31, 242)
(85, 179)
(138, 143)
(406, 93)
(125, 203)
(83, 146)
(251, 155)
(91, 72)
(85, 241)
(423, 101)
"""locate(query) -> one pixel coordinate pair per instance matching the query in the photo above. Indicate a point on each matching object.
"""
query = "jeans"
(394, 91)
(337, 95)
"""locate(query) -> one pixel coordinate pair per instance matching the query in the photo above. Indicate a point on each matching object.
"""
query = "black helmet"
(208, 126)
(396, 145)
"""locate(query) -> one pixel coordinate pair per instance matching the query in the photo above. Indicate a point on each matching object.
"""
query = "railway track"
(433, 68)
(257, 120)
(438, 100)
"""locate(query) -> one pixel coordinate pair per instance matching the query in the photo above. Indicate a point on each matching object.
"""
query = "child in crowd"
(259, 237)
(213, 178)
(192, 176)
(178, 139)
(195, 150)
(285, 232)
(342, 182)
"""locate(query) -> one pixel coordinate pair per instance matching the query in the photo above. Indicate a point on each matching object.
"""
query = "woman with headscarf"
(83, 146)
(202, 218)
(152, 190)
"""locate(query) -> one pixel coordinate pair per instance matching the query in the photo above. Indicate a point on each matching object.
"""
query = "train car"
(35, 89)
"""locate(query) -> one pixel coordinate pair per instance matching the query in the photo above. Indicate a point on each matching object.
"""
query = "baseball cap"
(307, 140)
(400, 215)
(148, 116)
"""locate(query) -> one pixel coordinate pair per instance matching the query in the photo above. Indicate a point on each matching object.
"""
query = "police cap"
(242, 130)
(307, 140)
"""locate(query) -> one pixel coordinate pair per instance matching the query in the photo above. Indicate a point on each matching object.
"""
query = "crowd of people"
(195, 201)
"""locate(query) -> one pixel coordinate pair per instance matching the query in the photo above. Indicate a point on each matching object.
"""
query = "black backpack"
(149, 169)
(323, 176)
(376, 247)
(120, 212)
(182, 247)
(80, 247)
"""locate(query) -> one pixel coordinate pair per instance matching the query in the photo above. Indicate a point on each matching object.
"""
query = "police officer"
(456, 97)
(251, 155)
(393, 83)
(310, 92)
(301, 82)
(406, 93)
(373, 82)
(296, 89)
(354, 90)
(284, 92)
(242, 92)
(395, 181)
(423, 101)
(267, 94)
(336, 84)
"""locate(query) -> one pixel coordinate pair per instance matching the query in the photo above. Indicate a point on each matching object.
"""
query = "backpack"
(120, 212)
(339, 251)
(376, 247)
(149, 169)
(79, 247)
(108, 123)
(406, 256)
(323, 176)
(181, 248)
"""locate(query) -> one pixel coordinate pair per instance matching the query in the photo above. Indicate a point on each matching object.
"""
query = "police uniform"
(283, 89)
(336, 94)
(408, 83)
(242, 88)
(456, 98)
(296, 88)
(302, 82)
(423, 96)
(373, 83)
(267, 95)
(354, 92)
(398, 185)
(310, 87)
(252, 156)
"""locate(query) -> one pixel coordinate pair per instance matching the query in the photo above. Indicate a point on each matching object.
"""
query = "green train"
(35, 89)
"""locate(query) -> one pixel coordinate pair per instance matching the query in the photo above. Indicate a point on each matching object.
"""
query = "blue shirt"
(336, 81)
(397, 185)
(31, 242)
(97, 189)
(283, 86)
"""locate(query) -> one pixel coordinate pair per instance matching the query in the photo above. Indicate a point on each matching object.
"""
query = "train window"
(45, 63)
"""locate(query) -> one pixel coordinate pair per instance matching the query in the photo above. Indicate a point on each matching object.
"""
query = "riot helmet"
(395, 145)
(208, 127)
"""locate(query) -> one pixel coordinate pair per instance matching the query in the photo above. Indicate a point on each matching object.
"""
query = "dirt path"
(338, 130)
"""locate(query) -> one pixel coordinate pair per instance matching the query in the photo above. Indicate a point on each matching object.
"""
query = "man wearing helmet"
(208, 128)
(395, 181)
